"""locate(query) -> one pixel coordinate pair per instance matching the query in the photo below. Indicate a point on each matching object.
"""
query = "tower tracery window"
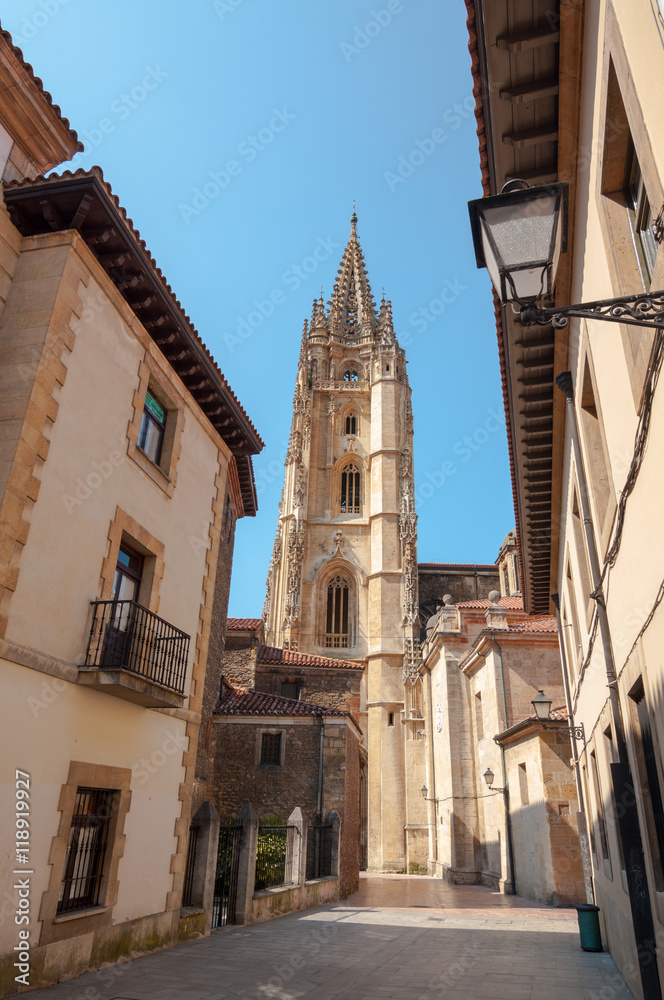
(351, 424)
(337, 619)
(350, 490)
(350, 375)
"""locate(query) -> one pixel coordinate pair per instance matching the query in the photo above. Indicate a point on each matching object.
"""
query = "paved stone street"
(411, 938)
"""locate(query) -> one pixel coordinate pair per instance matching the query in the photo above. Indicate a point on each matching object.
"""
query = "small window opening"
(153, 426)
(479, 719)
(390, 719)
(290, 689)
(271, 748)
(350, 490)
(350, 375)
(86, 849)
(523, 785)
(351, 425)
(337, 621)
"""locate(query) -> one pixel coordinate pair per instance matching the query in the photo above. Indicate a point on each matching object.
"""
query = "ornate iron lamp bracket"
(645, 310)
(578, 732)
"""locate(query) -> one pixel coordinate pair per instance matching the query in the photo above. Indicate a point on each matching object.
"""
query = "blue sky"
(237, 133)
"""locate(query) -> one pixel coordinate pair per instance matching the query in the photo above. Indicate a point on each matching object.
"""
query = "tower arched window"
(350, 490)
(351, 424)
(350, 375)
(337, 614)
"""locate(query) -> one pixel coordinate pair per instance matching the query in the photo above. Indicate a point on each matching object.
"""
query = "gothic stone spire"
(352, 313)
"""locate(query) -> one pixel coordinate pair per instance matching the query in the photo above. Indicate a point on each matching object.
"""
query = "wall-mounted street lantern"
(489, 778)
(425, 791)
(519, 236)
(542, 706)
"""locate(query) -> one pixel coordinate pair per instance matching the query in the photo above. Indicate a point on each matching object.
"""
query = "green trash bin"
(591, 938)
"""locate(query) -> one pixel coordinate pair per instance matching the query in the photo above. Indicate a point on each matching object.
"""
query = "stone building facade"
(282, 753)
(117, 433)
(570, 92)
(484, 661)
(343, 579)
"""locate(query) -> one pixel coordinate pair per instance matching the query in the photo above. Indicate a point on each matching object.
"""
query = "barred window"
(350, 490)
(337, 631)
(271, 748)
(86, 849)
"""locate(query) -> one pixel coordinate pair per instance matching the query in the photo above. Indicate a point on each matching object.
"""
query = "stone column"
(246, 878)
(296, 871)
(205, 862)
(335, 822)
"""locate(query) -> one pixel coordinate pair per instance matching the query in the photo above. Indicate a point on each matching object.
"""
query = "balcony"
(135, 655)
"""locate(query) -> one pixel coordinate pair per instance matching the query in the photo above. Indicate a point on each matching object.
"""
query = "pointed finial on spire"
(353, 219)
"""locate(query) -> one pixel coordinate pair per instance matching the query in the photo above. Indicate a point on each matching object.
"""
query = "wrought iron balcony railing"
(126, 636)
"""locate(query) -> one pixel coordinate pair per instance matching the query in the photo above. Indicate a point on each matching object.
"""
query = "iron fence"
(320, 842)
(191, 864)
(124, 635)
(274, 856)
(226, 876)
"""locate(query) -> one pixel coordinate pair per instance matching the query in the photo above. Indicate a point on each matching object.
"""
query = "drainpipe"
(319, 799)
(585, 854)
(508, 818)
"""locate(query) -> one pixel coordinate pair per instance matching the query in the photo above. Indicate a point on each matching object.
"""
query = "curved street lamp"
(519, 236)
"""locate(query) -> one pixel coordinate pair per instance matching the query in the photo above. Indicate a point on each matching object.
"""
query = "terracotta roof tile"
(243, 624)
(40, 86)
(96, 172)
(270, 654)
(544, 624)
(237, 702)
(511, 603)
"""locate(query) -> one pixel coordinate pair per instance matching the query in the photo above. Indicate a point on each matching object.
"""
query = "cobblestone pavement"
(406, 937)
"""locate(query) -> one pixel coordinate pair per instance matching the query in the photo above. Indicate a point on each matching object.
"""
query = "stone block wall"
(543, 808)
(272, 790)
(468, 584)
(334, 687)
(215, 659)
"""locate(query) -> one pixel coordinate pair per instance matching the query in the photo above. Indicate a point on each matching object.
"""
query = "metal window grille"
(86, 849)
(337, 632)
(320, 840)
(191, 865)
(350, 490)
(124, 635)
(274, 856)
(271, 748)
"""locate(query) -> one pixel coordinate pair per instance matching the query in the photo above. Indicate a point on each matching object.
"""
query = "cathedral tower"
(343, 575)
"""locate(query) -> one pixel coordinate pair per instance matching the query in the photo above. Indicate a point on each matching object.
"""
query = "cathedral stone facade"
(342, 580)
